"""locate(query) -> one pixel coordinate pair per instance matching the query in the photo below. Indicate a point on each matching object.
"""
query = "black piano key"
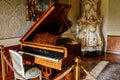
(46, 53)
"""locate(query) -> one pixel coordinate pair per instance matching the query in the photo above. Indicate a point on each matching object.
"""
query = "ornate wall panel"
(13, 18)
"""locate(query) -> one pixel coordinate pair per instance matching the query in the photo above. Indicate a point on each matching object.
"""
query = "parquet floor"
(90, 60)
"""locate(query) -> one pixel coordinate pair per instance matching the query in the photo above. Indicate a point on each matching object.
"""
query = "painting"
(35, 8)
(63, 1)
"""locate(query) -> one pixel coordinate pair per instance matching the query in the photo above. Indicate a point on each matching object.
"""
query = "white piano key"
(40, 56)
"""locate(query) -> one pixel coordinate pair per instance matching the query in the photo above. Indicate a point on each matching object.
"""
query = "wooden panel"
(113, 44)
(49, 63)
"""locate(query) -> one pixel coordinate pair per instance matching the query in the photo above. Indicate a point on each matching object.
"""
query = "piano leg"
(46, 72)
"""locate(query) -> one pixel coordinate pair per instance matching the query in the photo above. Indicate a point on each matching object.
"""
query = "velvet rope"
(88, 73)
(65, 73)
(57, 78)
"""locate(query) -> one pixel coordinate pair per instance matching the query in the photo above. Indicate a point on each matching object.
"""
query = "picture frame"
(35, 8)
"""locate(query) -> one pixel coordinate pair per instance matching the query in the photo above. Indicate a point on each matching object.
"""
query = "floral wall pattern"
(13, 19)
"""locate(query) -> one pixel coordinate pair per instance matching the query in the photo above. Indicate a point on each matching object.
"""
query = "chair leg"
(40, 76)
(15, 78)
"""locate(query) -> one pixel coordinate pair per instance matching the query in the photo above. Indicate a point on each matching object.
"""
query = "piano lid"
(53, 21)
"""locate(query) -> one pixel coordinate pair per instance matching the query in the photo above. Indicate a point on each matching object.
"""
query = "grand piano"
(44, 41)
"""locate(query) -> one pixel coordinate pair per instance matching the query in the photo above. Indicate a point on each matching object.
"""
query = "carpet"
(105, 70)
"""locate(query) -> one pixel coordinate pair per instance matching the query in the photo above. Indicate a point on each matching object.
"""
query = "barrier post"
(77, 67)
(2, 62)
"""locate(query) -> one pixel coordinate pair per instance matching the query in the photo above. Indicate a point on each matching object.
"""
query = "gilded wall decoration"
(89, 26)
(13, 19)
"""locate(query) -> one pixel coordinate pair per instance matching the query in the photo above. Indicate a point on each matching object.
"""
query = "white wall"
(113, 27)
(111, 15)
(104, 15)
(10, 42)
(74, 13)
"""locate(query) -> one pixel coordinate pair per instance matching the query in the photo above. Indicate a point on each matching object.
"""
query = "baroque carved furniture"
(89, 27)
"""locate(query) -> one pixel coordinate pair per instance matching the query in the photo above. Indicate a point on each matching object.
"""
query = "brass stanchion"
(79, 67)
(2, 62)
(78, 62)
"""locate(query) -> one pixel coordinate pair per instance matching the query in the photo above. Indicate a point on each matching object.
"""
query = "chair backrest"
(17, 62)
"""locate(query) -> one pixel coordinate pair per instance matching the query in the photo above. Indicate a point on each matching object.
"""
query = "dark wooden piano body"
(53, 22)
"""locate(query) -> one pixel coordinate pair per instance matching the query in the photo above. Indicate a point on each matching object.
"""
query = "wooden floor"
(91, 59)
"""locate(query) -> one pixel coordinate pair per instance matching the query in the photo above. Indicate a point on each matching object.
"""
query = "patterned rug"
(105, 71)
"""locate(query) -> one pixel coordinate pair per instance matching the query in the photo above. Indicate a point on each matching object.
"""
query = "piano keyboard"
(45, 54)
(40, 56)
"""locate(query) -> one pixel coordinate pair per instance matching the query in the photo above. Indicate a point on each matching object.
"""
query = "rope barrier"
(65, 73)
(88, 73)
(8, 63)
(78, 64)
(57, 78)
(12, 67)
